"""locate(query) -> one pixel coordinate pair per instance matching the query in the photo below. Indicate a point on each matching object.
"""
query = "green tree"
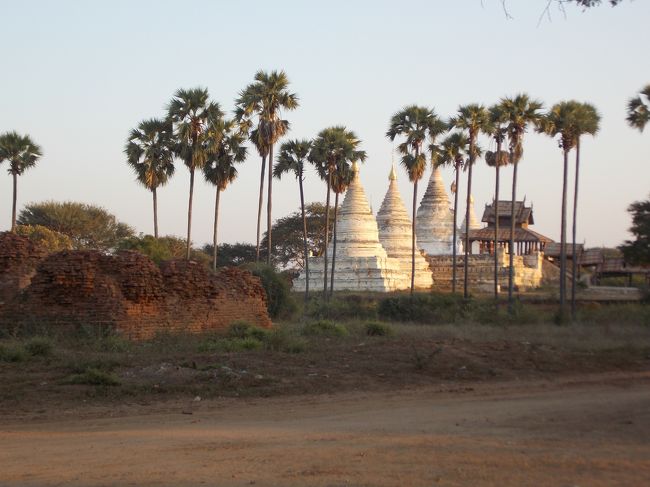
(520, 112)
(587, 123)
(454, 152)
(333, 147)
(232, 255)
(220, 170)
(291, 159)
(191, 114)
(150, 153)
(263, 151)
(637, 251)
(88, 226)
(21, 153)
(45, 238)
(266, 97)
(473, 119)
(638, 109)
(497, 130)
(416, 124)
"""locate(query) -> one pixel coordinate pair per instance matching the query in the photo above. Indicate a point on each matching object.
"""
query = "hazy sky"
(78, 75)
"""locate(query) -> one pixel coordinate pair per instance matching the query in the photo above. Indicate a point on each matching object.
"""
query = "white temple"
(395, 232)
(434, 226)
(474, 223)
(362, 263)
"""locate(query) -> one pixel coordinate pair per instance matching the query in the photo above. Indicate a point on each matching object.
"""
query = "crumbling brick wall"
(18, 260)
(128, 293)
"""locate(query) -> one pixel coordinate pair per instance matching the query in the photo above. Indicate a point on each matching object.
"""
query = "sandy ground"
(582, 431)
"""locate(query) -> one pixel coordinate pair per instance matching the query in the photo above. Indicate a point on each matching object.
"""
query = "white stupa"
(362, 264)
(474, 224)
(434, 224)
(395, 233)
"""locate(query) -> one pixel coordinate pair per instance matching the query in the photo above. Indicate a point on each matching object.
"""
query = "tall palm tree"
(497, 131)
(263, 151)
(341, 179)
(520, 111)
(638, 109)
(332, 147)
(473, 119)
(587, 123)
(266, 97)
(562, 121)
(227, 149)
(454, 152)
(291, 158)
(416, 124)
(191, 114)
(21, 153)
(150, 152)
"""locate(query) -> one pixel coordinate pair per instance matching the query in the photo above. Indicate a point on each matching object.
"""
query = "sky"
(79, 75)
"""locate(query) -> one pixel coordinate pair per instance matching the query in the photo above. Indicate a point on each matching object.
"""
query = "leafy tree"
(333, 147)
(21, 154)
(473, 119)
(88, 226)
(266, 97)
(220, 168)
(292, 157)
(454, 152)
(150, 152)
(45, 238)
(637, 251)
(519, 111)
(232, 254)
(157, 249)
(191, 114)
(288, 246)
(638, 109)
(497, 130)
(416, 124)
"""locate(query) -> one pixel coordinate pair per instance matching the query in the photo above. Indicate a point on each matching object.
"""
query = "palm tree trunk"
(304, 237)
(155, 213)
(13, 207)
(216, 222)
(469, 195)
(511, 250)
(574, 260)
(563, 237)
(259, 210)
(189, 216)
(269, 202)
(496, 227)
(327, 231)
(336, 214)
(415, 199)
(454, 243)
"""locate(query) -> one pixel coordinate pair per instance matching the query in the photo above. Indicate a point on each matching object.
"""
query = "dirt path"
(593, 432)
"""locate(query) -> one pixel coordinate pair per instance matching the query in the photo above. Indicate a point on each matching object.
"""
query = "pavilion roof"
(523, 213)
(521, 235)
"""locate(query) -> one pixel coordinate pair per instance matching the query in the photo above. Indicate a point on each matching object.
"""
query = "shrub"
(12, 353)
(93, 377)
(279, 340)
(279, 301)
(244, 329)
(422, 308)
(325, 328)
(39, 347)
(341, 307)
(374, 328)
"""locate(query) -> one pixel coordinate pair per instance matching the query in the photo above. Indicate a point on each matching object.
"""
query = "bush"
(12, 353)
(422, 308)
(325, 328)
(244, 329)
(279, 340)
(342, 307)
(93, 377)
(376, 329)
(39, 347)
(279, 301)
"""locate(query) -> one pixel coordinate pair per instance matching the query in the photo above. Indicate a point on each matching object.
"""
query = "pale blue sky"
(78, 75)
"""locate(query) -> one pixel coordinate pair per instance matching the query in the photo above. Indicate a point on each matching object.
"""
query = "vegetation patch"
(12, 353)
(377, 329)
(325, 328)
(93, 377)
(39, 346)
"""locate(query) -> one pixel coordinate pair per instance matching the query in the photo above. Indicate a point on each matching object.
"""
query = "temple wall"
(19, 258)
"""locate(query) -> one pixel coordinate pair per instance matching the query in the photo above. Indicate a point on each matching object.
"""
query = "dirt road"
(594, 431)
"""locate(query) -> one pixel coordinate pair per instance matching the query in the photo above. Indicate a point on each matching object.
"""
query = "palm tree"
(191, 114)
(149, 151)
(227, 140)
(454, 152)
(562, 121)
(291, 158)
(416, 124)
(638, 109)
(588, 122)
(21, 153)
(341, 179)
(332, 147)
(266, 97)
(520, 111)
(496, 159)
(474, 119)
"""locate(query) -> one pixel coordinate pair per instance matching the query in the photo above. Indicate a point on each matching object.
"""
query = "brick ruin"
(125, 292)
